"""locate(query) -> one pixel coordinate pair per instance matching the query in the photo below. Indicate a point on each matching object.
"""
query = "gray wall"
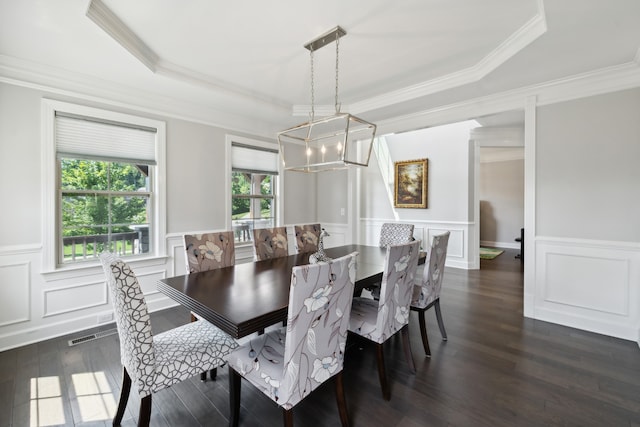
(587, 168)
(501, 192)
(195, 171)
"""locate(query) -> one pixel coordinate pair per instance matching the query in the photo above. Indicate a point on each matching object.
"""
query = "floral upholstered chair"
(380, 320)
(289, 363)
(154, 362)
(391, 234)
(426, 294)
(395, 234)
(205, 252)
(307, 237)
(270, 243)
(209, 251)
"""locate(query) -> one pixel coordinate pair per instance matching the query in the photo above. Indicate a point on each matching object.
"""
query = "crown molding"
(109, 22)
(104, 18)
(610, 79)
(526, 34)
(63, 83)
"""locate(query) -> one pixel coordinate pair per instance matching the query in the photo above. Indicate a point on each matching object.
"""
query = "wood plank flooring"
(496, 369)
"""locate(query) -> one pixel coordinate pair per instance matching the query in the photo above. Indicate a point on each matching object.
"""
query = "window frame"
(277, 189)
(52, 239)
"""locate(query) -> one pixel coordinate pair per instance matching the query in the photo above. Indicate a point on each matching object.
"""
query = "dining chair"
(379, 320)
(307, 237)
(395, 234)
(154, 362)
(208, 251)
(391, 234)
(289, 363)
(270, 243)
(426, 294)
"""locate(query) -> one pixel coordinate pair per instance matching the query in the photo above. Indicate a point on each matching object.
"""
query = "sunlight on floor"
(46, 402)
(94, 398)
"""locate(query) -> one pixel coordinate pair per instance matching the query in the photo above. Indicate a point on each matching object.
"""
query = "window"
(105, 194)
(254, 172)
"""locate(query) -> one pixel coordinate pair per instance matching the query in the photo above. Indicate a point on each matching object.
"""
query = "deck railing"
(88, 247)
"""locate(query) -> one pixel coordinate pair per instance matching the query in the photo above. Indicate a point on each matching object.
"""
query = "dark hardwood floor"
(496, 369)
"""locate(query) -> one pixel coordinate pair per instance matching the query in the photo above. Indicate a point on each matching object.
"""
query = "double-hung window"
(254, 172)
(106, 189)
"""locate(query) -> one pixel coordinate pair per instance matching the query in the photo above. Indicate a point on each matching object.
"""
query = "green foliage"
(88, 213)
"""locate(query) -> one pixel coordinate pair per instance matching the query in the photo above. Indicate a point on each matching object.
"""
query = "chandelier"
(327, 143)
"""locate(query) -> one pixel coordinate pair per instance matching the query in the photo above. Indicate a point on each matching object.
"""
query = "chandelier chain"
(312, 88)
(337, 63)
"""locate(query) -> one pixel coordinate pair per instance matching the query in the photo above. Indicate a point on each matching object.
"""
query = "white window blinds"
(82, 137)
(252, 159)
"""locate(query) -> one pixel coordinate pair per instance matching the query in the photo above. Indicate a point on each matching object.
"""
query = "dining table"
(248, 297)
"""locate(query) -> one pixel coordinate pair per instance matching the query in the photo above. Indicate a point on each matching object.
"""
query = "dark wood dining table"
(249, 297)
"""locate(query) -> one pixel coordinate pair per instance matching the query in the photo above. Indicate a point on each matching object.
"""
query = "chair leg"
(342, 404)
(145, 412)
(234, 397)
(124, 397)
(440, 322)
(423, 332)
(382, 375)
(213, 374)
(287, 414)
(406, 344)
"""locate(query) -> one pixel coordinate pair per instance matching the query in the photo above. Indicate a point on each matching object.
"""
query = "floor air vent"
(92, 337)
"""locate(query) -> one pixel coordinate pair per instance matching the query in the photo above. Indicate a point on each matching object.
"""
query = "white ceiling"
(242, 65)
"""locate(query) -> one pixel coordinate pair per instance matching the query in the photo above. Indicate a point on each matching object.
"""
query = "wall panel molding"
(15, 293)
(76, 297)
(459, 252)
(588, 284)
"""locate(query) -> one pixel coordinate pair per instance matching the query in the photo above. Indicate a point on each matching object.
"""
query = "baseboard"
(501, 245)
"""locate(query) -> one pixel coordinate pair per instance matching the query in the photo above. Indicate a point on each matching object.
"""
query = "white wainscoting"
(459, 252)
(35, 306)
(590, 285)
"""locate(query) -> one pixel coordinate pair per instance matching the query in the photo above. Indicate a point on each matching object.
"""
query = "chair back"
(396, 289)
(209, 251)
(270, 243)
(133, 323)
(307, 237)
(431, 283)
(395, 234)
(318, 320)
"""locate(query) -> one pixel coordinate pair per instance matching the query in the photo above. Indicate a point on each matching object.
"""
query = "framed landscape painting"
(411, 184)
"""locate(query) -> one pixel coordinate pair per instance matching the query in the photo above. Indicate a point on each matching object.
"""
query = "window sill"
(91, 268)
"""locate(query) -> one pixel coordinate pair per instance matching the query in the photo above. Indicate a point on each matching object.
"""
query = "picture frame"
(410, 185)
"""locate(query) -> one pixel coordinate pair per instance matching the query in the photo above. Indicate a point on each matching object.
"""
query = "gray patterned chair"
(289, 363)
(154, 362)
(378, 321)
(426, 294)
(270, 243)
(307, 237)
(395, 234)
(209, 251)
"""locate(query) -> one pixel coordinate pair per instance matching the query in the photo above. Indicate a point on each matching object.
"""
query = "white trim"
(20, 249)
(500, 245)
(596, 82)
(529, 290)
(229, 139)
(517, 41)
(49, 180)
(45, 292)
